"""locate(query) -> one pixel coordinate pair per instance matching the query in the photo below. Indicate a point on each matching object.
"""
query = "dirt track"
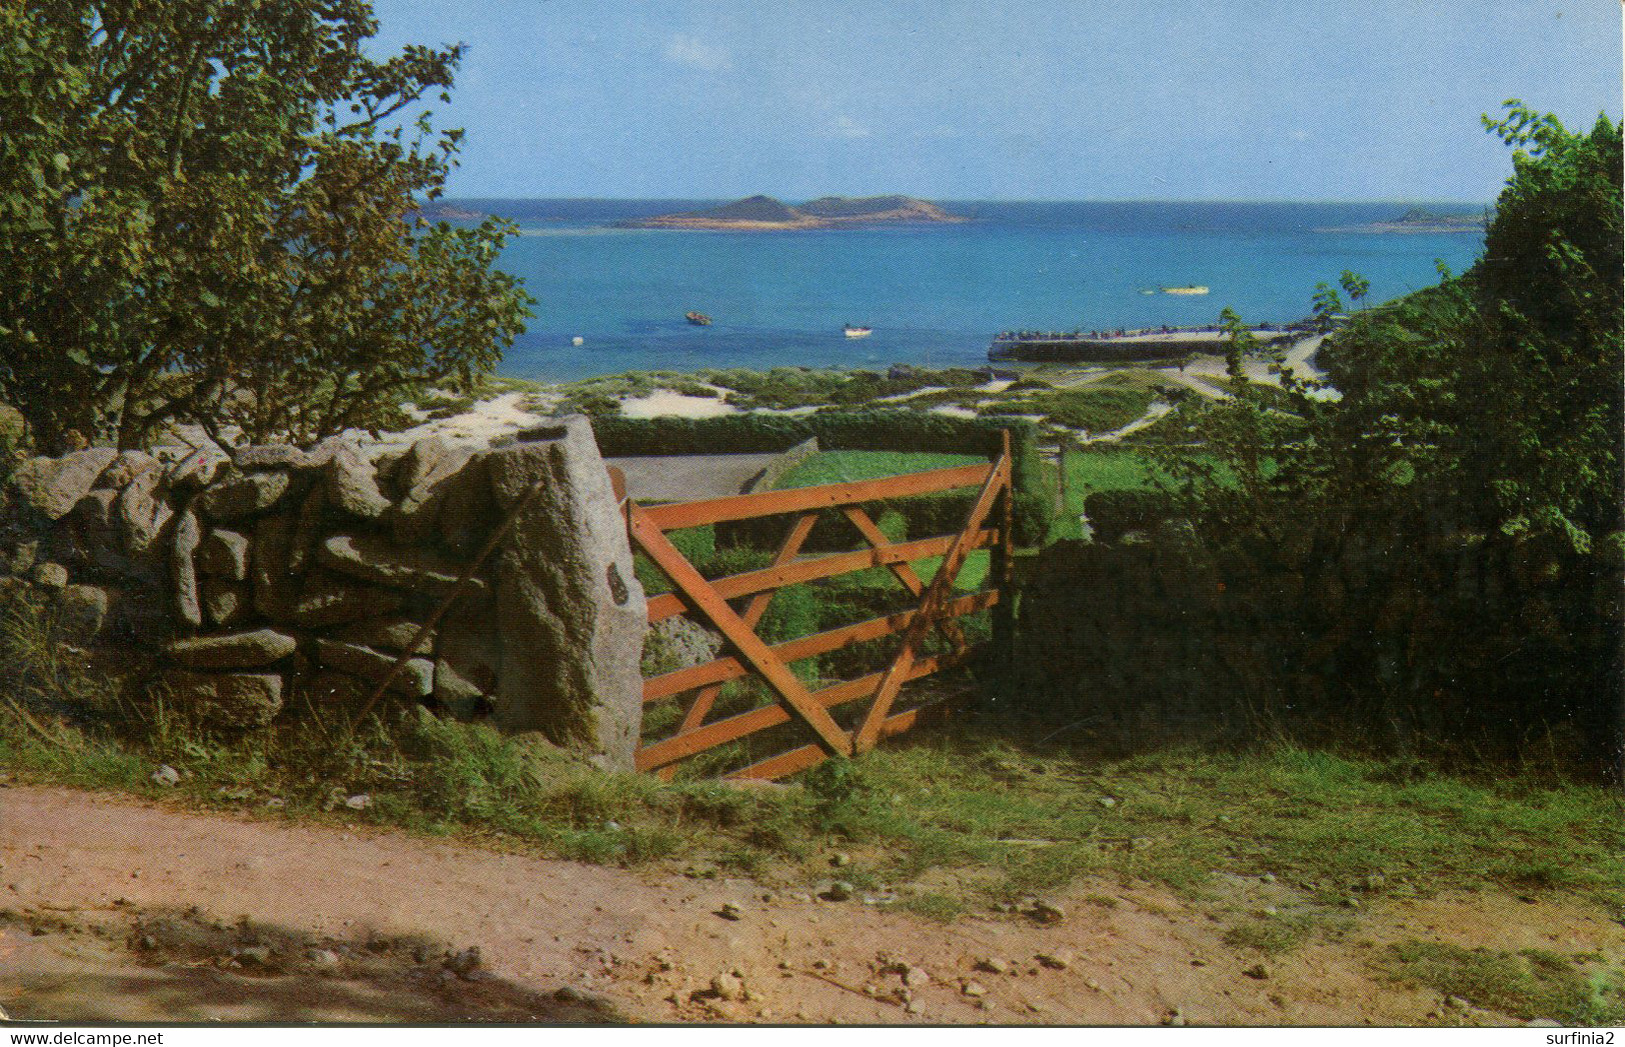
(302, 923)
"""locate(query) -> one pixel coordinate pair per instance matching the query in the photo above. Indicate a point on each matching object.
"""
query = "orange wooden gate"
(987, 525)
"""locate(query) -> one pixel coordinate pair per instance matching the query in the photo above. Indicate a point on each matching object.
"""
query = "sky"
(1006, 99)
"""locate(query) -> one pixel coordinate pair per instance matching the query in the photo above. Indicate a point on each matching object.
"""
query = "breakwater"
(1121, 346)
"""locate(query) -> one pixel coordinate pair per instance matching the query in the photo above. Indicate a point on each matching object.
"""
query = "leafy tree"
(208, 214)
(1355, 286)
(1326, 306)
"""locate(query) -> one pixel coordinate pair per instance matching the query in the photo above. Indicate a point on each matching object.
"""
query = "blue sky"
(1006, 99)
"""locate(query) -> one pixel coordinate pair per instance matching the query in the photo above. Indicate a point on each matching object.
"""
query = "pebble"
(730, 911)
(914, 977)
(463, 964)
(974, 989)
(1046, 912)
(252, 955)
(839, 891)
(1107, 801)
(276, 802)
(1055, 961)
(358, 802)
(166, 775)
(728, 986)
(322, 957)
(993, 965)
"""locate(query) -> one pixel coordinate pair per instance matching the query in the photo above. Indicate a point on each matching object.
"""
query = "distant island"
(1421, 220)
(763, 213)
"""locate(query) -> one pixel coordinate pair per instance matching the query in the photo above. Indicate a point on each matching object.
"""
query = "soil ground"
(116, 910)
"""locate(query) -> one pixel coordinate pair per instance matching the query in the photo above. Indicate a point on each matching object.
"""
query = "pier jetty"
(1125, 346)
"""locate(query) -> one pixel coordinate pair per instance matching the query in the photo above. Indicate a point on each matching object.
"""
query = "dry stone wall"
(272, 581)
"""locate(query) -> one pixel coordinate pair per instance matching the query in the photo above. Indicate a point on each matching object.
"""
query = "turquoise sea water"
(933, 294)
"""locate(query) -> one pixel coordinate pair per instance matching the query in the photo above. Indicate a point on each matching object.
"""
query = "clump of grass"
(1526, 985)
(940, 908)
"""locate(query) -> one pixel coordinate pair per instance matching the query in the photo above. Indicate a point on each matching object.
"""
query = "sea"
(933, 295)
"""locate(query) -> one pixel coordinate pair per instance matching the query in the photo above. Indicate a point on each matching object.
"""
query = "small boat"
(1192, 289)
(697, 319)
(856, 332)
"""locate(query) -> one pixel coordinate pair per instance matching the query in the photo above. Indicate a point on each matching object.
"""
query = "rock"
(916, 977)
(19, 559)
(125, 468)
(839, 891)
(327, 687)
(352, 485)
(676, 643)
(570, 611)
(53, 486)
(228, 699)
(570, 994)
(223, 553)
(730, 911)
(248, 650)
(1045, 912)
(308, 526)
(727, 986)
(358, 802)
(245, 494)
(914, 1007)
(325, 958)
(415, 680)
(166, 775)
(426, 476)
(974, 989)
(1058, 960)
(1107, 801)
(372, 559)
(197, 470)
(140, 514)
(1257, 971)
(82, 612)
(92, 518)
(50, 576)
(225, 603)
(285, 456)
(465, 963)
(252, 955)
(389, 633)
(993, 965)
(276, 585)
(329, 600)
(182, 571)
(840, 859)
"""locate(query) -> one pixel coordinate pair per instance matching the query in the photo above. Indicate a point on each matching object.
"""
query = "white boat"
(1193, 289)
(857, 332)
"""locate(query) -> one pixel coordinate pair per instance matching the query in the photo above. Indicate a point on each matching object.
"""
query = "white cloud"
(696, 53)
(846, 127)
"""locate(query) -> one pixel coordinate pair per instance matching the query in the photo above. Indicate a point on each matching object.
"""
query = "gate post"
(570, 611)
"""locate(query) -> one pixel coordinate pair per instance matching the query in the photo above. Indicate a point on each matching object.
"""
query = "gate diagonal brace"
(751, 648)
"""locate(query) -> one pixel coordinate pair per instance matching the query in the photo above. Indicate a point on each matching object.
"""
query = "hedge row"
(874, 430)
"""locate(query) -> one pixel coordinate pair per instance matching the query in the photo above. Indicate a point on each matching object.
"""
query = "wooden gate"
(987, 525)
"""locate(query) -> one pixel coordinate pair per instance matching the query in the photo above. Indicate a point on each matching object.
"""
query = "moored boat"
(1191, 289)
(857, 332)
(697, 319)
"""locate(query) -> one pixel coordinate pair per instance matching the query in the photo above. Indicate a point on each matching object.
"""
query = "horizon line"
(1011, 200)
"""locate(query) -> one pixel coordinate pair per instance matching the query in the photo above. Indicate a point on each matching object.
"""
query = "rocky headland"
(764, 213)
